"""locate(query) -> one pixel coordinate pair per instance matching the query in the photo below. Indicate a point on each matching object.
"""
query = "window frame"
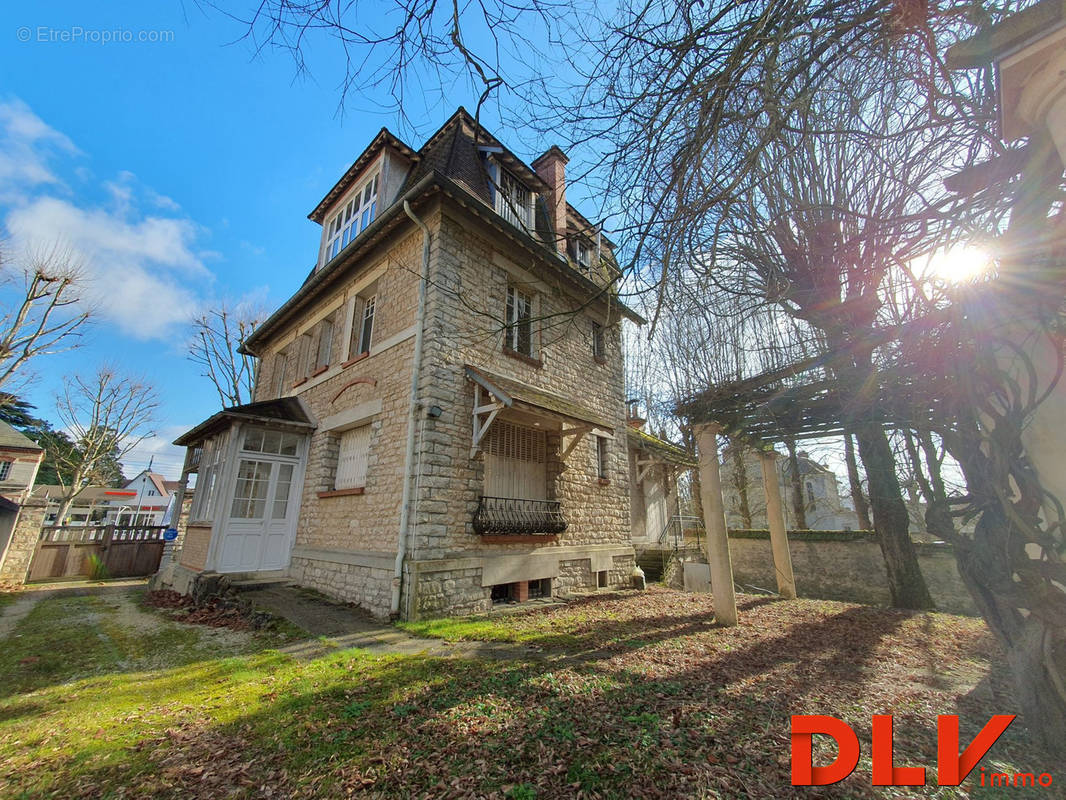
(5, 469)
(354, 215)
(603, 454)
(514, 321)
(357, 479)
(507, 206)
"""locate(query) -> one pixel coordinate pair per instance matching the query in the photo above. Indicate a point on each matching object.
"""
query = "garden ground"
(621, 695)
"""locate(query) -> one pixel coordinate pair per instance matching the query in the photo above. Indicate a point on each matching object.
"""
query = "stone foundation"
(367, 584)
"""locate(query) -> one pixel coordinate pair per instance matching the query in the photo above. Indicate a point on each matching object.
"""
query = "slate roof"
(448, 162)
(9, 437)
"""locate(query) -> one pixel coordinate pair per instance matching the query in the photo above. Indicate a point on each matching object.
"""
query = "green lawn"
(637, 696)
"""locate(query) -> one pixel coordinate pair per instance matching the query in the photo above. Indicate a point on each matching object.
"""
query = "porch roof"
(659, 448)
(522, 396)
(288, 411)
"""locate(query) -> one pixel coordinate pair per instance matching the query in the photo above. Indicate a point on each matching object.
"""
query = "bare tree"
(44, 310)
(106, 416)
(216, 346)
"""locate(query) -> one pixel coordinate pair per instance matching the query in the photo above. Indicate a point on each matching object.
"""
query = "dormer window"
(581, 252)
(514, 200)
(352, 218)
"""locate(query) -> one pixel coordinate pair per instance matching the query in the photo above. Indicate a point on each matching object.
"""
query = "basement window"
(601, 579)
(541, 588)
(502, 593)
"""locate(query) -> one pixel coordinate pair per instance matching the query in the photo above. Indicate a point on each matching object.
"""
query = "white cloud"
(141, 256)
(26, 144)
(143, 274)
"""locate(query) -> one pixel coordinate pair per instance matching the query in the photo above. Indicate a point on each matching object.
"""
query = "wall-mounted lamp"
(434, 411)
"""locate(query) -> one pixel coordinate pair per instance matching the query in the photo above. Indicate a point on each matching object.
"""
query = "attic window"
(352, 218)
(514, 200)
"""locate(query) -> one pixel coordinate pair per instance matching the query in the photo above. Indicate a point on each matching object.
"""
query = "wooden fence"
(96, 551)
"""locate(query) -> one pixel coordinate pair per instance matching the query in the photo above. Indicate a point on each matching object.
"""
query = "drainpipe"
(412, 421)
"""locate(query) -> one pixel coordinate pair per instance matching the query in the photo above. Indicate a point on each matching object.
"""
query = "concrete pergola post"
(775, 518)
(725, 600)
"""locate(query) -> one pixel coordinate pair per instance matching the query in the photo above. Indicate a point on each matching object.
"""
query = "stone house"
(141, 500)
(439, 418)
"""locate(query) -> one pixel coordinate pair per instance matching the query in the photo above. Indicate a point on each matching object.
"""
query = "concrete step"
(251, 581)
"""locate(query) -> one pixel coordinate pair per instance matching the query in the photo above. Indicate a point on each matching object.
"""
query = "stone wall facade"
(23, 542)
(846, 566)
(472, 262)
(346, 543)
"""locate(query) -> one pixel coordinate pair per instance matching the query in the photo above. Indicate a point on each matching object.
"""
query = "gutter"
(412, 420)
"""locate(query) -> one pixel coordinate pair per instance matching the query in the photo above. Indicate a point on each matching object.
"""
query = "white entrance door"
(258, 532)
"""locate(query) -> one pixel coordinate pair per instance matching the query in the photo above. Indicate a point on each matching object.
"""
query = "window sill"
(300, 382)
(533, 362)
(319, 371)
(343, 492)
(603, 481)
(519, 538)
(600, 359)
(355, 360)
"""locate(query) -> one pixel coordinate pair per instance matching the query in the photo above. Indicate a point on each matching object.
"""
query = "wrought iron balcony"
(509, 515)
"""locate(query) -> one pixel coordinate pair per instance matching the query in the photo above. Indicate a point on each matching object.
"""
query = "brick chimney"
(551, 168)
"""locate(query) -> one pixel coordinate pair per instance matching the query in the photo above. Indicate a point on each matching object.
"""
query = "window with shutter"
(352, 458)
(515, 461)
(325, 343)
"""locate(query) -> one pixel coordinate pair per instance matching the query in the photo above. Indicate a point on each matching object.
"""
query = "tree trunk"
(1036, 648)
(905, 582)
(740, 481)
(862, 507)
(799, 507)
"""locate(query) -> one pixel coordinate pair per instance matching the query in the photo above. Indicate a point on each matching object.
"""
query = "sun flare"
(959, 264)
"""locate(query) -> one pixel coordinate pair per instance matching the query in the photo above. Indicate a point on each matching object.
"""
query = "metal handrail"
(512, 515)
(676, 527)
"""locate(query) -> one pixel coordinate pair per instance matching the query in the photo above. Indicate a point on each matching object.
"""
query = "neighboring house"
(142, 500)
(429, 455)
(823, 507)
(20, 458)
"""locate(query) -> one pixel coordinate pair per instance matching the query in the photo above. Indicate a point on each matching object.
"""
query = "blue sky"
(181, 170)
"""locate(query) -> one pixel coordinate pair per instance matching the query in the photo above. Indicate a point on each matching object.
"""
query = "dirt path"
(17, 611)
(27, 599)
